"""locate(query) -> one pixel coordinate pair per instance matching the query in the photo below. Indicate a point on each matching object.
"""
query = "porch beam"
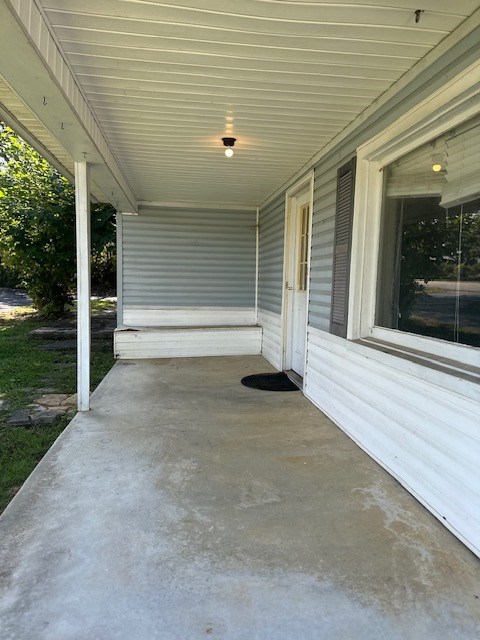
(41, 77)
(82, 210)
(151, 204)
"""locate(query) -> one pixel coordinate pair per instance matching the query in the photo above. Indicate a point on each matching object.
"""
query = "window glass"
(429, 271)
(302, 269)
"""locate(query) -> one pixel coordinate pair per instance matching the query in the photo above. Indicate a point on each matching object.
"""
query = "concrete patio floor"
(186, 506)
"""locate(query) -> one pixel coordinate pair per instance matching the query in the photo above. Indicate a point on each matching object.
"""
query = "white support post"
(119, 268)
(257, 262)
(82, 208)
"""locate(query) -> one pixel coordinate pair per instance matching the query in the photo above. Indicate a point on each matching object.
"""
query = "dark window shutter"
(342, 246)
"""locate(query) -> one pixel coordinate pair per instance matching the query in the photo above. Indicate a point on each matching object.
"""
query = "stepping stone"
(19, 418)
(67, 333)
(42, 416)
(59, 345)
(54, 333)
(52, 399)
(66, 345)
(71, 401)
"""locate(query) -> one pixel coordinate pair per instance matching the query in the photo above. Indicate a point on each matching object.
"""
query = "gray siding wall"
(184, 257)
(323, 231)
(271, 234)
(270, 260)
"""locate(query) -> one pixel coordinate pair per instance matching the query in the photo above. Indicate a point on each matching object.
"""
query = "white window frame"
(454, 103)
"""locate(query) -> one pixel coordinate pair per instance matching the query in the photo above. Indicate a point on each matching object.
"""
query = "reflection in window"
(429, 276)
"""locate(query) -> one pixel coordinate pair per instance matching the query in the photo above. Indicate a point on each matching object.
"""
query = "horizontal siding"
(185, 343)
(186, 257)
(323, 232)
(431, 447)
(272, 339)
(271, 254)
(188, 316)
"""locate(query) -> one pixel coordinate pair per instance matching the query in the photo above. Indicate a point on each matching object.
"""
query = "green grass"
(25, 369)
(103, 306)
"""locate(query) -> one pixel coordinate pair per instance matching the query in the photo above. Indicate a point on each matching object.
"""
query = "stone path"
(45, 410)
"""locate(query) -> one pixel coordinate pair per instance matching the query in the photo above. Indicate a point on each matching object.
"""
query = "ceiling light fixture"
(437, 167)
(229, 142)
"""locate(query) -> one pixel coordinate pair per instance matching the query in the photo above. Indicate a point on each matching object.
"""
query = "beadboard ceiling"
(167, 79)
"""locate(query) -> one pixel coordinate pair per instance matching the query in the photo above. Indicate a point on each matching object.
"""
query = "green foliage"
(422, 253)
(8, 277)
(430, 251)
(37, 226)
(104, 255)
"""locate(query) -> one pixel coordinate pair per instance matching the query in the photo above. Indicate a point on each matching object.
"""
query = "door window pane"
(302, 268)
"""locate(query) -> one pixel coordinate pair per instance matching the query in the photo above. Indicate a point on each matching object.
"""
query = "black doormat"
(270, 382)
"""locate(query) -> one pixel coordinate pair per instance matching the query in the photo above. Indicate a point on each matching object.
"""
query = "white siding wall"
(425, 434)
(146, 316)
(272, 337)
(187, 342)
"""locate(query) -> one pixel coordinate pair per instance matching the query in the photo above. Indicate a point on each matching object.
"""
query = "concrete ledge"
(184, 342)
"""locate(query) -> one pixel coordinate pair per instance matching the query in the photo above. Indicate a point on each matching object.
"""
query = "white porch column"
(119, 268)
(82, 208)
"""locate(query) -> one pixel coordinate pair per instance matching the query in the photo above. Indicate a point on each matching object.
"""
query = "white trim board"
(176, 342)
(150, 204)
(188, 316)
(306, 184)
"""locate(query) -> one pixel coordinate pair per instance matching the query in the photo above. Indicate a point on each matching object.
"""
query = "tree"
(37, 225)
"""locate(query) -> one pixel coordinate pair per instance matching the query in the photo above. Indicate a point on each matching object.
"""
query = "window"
(429, 261)
(414, 277)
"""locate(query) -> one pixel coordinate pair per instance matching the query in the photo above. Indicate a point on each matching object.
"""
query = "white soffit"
(166, 80)
(15, 113)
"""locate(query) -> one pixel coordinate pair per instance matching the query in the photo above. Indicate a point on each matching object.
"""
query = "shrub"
(37, 226)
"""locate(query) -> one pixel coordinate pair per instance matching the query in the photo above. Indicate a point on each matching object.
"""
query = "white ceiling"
(166, 80)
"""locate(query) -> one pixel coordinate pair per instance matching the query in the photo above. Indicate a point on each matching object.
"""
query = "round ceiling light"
(229, 142)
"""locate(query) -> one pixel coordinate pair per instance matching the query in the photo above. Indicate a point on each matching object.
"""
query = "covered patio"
(184, 505)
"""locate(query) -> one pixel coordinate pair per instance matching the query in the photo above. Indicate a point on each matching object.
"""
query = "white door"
(298, 284)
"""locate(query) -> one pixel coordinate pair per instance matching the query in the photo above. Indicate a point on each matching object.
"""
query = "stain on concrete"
(181, 507)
